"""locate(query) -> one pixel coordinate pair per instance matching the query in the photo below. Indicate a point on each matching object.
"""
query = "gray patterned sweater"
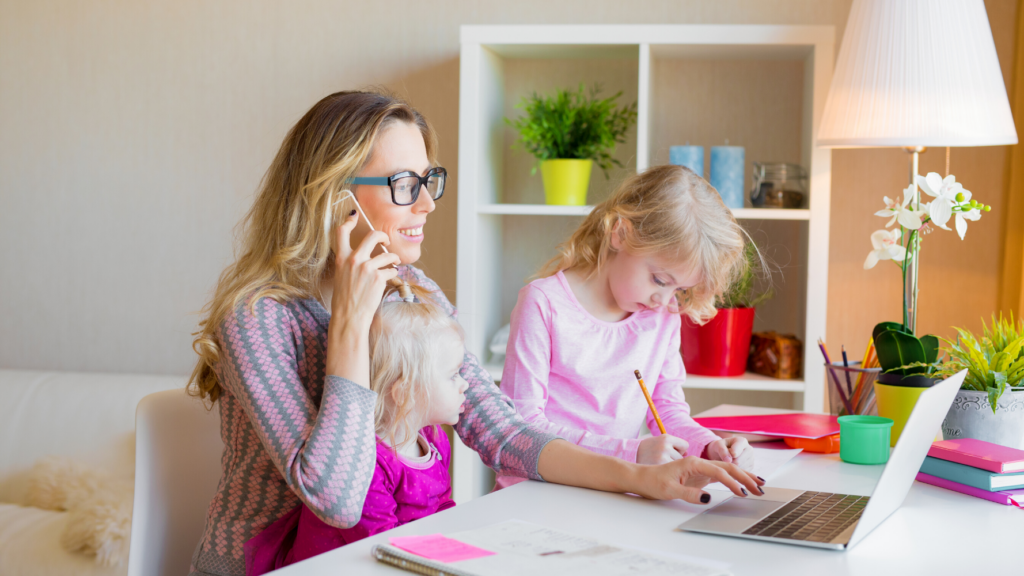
(293, 435)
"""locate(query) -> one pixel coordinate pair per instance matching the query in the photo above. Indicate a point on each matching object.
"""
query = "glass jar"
(778, 185)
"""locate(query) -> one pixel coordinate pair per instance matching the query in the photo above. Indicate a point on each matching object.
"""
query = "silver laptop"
(835, 521)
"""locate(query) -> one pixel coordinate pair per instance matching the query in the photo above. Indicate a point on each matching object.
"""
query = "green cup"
(864, 439)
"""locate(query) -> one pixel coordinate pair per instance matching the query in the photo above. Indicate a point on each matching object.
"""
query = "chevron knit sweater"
(293, 435)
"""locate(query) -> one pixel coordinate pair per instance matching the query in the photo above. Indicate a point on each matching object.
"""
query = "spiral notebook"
(523, 548)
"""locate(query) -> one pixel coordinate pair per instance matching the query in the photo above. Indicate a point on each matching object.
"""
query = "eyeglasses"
(405, 186)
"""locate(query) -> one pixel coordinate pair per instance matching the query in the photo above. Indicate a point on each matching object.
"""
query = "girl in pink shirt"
(661, 245)
(416, 354)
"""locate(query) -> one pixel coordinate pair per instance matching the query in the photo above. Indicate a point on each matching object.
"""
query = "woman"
(284, 344)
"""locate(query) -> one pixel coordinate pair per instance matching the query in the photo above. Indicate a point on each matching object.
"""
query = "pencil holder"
(851, 390)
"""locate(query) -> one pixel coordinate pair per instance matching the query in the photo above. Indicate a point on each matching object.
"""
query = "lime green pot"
(566, 181)
(896, 403)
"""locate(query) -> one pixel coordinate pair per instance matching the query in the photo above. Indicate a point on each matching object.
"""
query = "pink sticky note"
(437, 547)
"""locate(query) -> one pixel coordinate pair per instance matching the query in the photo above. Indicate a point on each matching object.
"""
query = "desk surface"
(936, 531)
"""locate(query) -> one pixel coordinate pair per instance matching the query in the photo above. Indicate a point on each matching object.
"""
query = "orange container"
(826, 445)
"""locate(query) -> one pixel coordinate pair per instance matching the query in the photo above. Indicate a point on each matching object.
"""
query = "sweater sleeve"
(490, 425)
(671, 403)
(327, 454)
(525, 379)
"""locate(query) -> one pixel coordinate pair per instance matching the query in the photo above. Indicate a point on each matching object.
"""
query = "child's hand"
(732, 450)
(661, 449)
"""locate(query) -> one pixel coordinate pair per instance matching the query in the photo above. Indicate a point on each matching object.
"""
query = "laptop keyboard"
(812, 517)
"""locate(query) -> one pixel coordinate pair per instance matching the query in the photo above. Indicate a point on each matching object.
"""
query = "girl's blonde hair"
(406, 342)
(671, 212)
(286, 236)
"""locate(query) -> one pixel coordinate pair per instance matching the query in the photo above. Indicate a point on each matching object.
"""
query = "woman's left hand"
(733, 450)
(685, 478)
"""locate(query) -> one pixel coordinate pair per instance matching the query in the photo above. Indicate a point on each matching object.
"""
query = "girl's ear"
(618, 234)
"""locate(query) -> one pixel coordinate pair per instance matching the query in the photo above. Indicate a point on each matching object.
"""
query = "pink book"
(979, 454)
(1006, 497)
(793, 425)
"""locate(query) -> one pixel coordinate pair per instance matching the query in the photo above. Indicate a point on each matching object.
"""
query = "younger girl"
(662, 245)
(416, 354)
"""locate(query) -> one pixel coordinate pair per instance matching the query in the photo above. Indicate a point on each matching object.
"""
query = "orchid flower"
(899, 211)
(886, 244)
(945, 191)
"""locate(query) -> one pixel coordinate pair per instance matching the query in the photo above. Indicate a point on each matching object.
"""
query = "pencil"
(649, 401)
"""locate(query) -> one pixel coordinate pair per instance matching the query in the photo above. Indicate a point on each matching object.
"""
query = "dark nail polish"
(352, 213)
(705, 498)
(744, 490)
(761, 479)
(760, 490)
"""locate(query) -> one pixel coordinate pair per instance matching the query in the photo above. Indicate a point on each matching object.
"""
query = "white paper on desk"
(766, 463)
(524, 548)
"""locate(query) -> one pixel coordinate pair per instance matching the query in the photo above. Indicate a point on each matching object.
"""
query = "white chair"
(177, 467)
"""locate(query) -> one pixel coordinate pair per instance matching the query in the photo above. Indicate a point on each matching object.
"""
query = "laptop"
(835, 521)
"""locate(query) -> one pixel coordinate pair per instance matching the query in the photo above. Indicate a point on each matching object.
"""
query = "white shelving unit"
(490, 53)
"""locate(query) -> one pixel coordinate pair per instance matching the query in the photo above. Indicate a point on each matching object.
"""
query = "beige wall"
(133, 135)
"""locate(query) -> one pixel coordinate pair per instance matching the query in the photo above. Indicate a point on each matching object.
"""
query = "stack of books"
(976, 468)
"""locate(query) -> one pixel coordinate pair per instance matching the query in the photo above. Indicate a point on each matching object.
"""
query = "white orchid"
(951, 200)
(945, 191)
(886, 244)
(899, 211)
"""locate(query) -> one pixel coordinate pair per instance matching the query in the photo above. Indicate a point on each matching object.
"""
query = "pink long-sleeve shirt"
(402, 490)
(571, 374)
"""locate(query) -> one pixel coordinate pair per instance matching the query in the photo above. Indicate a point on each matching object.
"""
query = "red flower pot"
(720, 347)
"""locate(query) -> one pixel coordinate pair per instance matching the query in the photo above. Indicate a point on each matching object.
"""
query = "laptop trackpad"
(734, 515)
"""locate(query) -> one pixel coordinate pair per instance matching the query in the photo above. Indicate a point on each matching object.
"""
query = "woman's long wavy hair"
(286, 236)
(406, 341)
(668, 211)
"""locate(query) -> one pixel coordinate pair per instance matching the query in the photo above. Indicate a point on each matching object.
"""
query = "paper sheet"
(766, 463)
(524, 548)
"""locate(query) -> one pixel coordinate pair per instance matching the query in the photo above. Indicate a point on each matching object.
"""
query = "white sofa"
(86, 416)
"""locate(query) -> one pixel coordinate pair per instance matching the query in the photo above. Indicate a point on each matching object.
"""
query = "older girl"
(662, 244)
(284, 345)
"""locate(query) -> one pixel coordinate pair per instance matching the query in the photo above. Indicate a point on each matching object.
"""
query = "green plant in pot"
(990, 404)
(905, 358)
(721, 347)
(568, 132)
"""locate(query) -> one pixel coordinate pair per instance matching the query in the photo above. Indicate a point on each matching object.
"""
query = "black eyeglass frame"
(389, 181)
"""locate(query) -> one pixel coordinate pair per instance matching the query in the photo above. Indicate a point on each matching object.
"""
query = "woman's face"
(399, 148)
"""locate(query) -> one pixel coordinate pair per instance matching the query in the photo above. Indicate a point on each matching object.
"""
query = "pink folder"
(1005, 497)
(979, 454)
(793, 425)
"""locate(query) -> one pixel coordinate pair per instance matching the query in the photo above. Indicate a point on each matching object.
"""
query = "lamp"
(917, 73)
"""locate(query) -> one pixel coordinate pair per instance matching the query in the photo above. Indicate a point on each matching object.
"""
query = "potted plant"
(904, 357)
(567, 133)
(721, 347)
(990, 403)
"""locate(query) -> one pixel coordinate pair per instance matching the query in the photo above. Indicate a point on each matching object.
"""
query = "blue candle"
(727, 174)
(690, 156)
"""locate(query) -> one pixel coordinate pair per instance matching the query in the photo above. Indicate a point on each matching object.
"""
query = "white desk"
(935, 532)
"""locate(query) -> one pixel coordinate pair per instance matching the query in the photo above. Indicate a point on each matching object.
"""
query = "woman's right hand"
(359, 279)
(685, 479)
(661, 449)
(359, 282)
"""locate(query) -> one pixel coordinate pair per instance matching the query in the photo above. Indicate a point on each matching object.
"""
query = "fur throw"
(99, 507)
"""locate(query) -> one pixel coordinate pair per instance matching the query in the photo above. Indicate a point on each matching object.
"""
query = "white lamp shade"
(917, 73)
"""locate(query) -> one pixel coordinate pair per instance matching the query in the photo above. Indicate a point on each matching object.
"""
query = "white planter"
(971, 416)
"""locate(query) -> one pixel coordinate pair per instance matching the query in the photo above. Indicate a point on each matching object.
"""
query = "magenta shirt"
(401, 491)
(571, 374)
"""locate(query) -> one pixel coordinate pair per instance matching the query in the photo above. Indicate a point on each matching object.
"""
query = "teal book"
(972, 476)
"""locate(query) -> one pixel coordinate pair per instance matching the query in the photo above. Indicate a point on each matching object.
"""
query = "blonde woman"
(662, 244)
(284, 345)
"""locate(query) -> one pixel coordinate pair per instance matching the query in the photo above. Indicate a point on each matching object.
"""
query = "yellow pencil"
(649, 401)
